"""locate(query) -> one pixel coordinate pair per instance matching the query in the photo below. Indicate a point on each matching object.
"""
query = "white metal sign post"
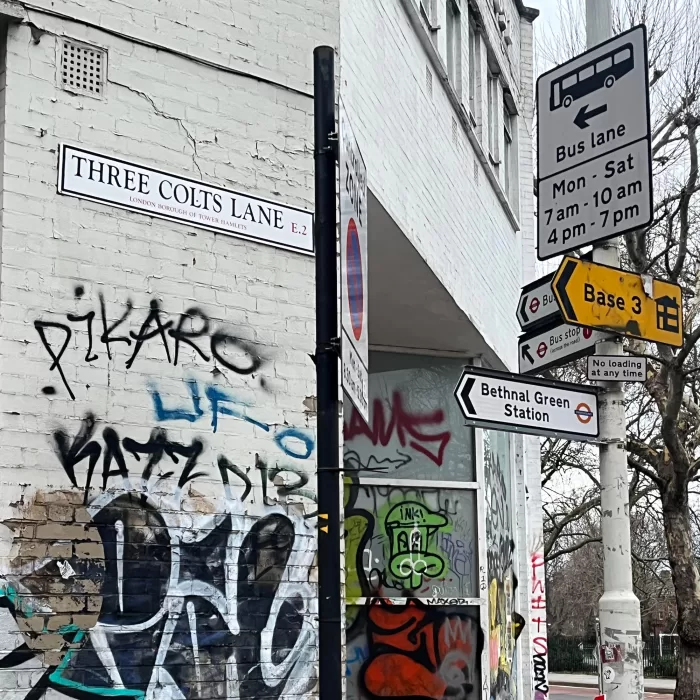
(353, 268)
(555, 346)
(594, 146)
(505, 401)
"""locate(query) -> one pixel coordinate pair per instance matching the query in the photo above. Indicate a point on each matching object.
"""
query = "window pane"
(416, 429)
(451, 21)
(472, 68)
(623, 55)
(586, 73)
(506, 162)
(413, 651)
(492, 115)
(410, 541)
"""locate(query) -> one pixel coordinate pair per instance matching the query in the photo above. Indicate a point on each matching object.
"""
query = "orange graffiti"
(417, 651)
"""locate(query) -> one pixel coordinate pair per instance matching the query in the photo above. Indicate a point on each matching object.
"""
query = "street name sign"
(617, 368)
(505, 401)
(536, 306)
(598, 296)
(353, 268)
(594, 146)
(555, 346)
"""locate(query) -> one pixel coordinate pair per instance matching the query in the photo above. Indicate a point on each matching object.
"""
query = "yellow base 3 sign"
(598, 296)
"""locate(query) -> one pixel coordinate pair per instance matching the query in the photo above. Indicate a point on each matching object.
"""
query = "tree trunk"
(686, 581)
(688, 679)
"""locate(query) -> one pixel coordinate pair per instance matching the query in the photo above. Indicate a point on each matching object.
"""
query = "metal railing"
(575, 655)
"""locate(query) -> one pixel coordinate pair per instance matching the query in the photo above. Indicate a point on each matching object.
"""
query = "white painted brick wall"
(427, 185)
(251, 136)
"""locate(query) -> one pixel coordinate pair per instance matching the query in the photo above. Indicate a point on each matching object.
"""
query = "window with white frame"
(509, 172)
(492, 116)
(454, 43)
(473, 53)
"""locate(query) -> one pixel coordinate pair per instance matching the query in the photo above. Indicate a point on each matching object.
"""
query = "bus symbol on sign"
(591, 76)
(594, 146)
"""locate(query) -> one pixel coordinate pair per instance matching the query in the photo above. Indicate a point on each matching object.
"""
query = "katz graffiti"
(163, 543)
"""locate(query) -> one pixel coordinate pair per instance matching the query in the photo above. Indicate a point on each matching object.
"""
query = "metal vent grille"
(455, 131)
(428, 81)
(83, 68)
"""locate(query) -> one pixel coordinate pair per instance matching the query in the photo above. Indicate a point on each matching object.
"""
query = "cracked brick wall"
(157, 489)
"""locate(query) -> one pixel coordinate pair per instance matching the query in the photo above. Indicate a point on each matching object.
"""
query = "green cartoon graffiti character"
(410, 526)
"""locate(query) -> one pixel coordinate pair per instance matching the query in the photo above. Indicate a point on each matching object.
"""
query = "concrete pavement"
(560, 692)
(651, 685)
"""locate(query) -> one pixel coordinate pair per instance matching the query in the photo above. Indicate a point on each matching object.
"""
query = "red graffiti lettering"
(537, 560)
(538, 603)
(540, 644)
(407, 426)
(539, 621)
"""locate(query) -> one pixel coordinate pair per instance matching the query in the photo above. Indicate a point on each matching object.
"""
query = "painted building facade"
(158, 494)
(438, 567)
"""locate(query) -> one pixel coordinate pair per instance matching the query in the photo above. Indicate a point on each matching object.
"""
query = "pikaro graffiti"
(169, 553)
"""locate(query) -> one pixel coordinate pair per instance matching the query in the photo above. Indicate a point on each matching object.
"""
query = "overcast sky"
(549, 16)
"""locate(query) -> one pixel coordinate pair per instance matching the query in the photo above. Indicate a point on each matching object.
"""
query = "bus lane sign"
(594, 146)
(510, 402)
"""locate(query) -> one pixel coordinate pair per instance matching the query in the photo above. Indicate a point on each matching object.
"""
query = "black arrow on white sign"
(581, 119)
(525, 353)
(523, 304)
(468, 386)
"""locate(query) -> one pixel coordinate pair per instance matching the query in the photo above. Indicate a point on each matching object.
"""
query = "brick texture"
(158, 534)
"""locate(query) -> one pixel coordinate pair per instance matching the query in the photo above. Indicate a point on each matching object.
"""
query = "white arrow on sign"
(554, 346)
(505, 401)
(537, 305)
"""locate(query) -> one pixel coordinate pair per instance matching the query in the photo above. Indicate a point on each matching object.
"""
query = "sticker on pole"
(354, 271)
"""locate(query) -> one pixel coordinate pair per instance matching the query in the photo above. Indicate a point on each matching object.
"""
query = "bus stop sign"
(594, 146)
